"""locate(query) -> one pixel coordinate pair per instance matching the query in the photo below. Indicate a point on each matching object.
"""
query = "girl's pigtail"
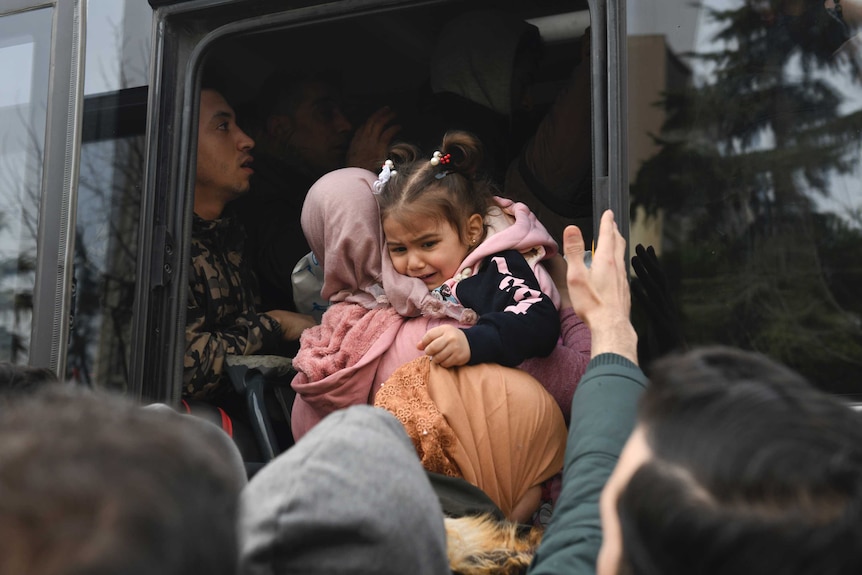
(465, 153)
(403, 153)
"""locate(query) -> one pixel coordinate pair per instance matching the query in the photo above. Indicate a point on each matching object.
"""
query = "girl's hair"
(451, 190)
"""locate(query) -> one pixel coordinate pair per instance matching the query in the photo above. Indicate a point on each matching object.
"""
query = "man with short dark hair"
(18, 380)
(726, 463)
(302, 133)
(95, 484)
(222, 316)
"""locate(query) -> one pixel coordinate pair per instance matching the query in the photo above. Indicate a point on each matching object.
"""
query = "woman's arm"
(561, 372)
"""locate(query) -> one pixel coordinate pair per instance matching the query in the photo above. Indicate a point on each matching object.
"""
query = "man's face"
(316, 136)
(224, 162)
(635, 453)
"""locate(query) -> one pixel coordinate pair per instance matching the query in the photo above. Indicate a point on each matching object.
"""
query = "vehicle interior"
(377, 57)
(384, 56)
(378, 52)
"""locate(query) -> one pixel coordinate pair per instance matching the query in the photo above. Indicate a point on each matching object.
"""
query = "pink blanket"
(337, 361)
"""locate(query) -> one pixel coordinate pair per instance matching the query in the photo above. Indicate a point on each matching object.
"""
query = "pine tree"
(743, 154)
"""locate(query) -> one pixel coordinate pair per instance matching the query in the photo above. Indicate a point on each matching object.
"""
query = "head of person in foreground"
(91, 483)
(737, 465)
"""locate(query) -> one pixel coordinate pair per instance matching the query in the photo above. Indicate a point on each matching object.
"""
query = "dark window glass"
(25, 43)
(118, 45)
(109, 192)
(744, 143)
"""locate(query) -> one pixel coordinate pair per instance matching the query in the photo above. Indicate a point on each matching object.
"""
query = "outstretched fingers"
(573, 248)
(600, 295)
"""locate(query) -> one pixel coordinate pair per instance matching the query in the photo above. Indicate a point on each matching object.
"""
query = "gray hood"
(350, 497)
(475, 56)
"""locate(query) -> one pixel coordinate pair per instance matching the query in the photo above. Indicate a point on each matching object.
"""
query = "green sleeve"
(603, 416)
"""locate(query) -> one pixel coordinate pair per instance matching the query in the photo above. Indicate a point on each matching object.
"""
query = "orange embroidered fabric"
(494, 426)
(405, 394)
(510, 433)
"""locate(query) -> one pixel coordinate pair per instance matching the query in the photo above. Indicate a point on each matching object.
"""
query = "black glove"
(652, 292)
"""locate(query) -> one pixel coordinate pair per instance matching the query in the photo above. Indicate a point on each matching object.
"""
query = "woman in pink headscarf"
(497, 427)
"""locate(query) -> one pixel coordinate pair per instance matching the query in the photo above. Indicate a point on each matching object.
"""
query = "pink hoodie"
(515, 227)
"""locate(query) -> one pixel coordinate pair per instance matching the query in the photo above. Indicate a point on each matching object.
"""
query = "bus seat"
(264, 382)
(238, 431)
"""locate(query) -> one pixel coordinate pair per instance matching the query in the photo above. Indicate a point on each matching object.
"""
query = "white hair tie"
(385, 173)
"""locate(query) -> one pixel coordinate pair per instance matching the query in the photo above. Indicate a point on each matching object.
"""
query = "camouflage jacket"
(221, 318)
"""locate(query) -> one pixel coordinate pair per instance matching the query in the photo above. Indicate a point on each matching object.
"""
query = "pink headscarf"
(361, 338)
(345, 236)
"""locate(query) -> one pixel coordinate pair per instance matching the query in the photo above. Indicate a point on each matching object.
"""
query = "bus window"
(109, 192)
(384, 56)
(446, 79)
(25, 40)
(745, 172)
(118, 45)
(105, 260)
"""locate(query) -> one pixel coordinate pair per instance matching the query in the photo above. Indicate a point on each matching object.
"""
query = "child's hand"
(446, 345)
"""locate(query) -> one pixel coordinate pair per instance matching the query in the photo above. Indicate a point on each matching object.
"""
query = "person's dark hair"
(212, 79)
(283, 91)
(18, 380)
(752, 471)
(450, 191)
(95, 484)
